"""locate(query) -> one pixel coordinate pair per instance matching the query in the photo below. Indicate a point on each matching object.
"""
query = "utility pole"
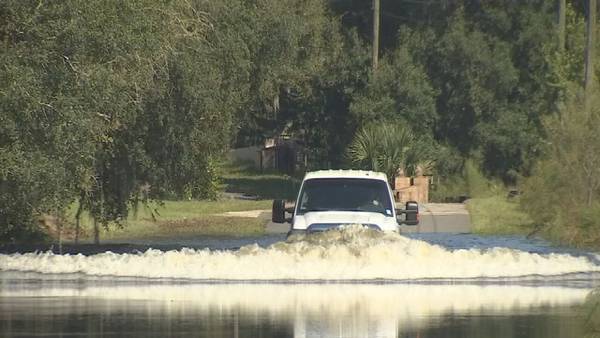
(589, 50)
(376, 15)
(562, 4)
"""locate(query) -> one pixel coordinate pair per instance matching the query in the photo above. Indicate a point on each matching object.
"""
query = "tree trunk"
(96, 232)
(59, 225)
(561, 24)
(589, 50)
(78, 219)
(592, 187)
(376, 15)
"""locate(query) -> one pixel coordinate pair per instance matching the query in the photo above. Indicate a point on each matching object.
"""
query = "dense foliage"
(102, 103)
(110, 103)
(563, 194)
(390, 148)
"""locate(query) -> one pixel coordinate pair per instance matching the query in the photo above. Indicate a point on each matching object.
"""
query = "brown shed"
(411, 189)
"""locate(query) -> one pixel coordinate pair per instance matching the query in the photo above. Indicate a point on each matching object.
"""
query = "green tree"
(46, 134)
(82, 80)
(324, 118)
(287, 51)
(399, 90)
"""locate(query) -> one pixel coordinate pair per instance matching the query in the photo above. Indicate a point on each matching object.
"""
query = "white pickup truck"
(333, 198)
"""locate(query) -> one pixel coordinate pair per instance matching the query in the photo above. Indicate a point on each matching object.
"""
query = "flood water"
(353, 283)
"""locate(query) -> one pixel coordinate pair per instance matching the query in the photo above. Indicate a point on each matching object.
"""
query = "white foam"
(354, 253)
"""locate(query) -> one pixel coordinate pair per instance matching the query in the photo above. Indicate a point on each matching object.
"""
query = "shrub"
(562, 195)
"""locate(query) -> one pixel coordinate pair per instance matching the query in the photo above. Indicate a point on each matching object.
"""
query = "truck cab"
(333, 198)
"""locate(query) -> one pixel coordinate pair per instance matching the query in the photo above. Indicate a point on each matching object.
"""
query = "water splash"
(352, 253)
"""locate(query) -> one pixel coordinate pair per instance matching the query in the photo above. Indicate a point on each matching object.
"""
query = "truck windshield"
(345, 194)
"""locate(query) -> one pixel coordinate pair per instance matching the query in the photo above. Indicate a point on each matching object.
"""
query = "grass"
(263, 185)
(172, 210)
(491, 211)
(206, 225)
(175, 219)
(498, 215)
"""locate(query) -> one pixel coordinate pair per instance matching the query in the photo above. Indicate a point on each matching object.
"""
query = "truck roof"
(346, 174)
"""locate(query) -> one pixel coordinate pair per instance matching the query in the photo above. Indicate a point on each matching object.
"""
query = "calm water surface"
(35, 308)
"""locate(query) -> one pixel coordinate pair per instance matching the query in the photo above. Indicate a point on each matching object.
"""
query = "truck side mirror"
(278, 211)
(410, 212)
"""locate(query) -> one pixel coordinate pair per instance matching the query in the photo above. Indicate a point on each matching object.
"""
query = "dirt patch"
(264, 214)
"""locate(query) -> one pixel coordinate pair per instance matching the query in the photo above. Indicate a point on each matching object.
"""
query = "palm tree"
(388, 148)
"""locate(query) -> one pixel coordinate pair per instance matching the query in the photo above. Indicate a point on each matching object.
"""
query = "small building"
(411, 189)
(283, 154)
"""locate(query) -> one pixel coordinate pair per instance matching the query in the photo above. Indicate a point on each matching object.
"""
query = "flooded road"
(134, 309)
(350, 283)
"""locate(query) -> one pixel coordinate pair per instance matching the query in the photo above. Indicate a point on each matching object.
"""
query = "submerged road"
(441, 218)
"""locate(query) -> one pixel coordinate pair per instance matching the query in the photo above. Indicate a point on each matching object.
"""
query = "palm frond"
(387, 147)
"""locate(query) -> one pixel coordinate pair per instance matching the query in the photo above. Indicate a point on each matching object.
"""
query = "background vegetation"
(106, 105)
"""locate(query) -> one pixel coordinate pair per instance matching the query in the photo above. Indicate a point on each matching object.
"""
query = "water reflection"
(290, 310)
(592, 314)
